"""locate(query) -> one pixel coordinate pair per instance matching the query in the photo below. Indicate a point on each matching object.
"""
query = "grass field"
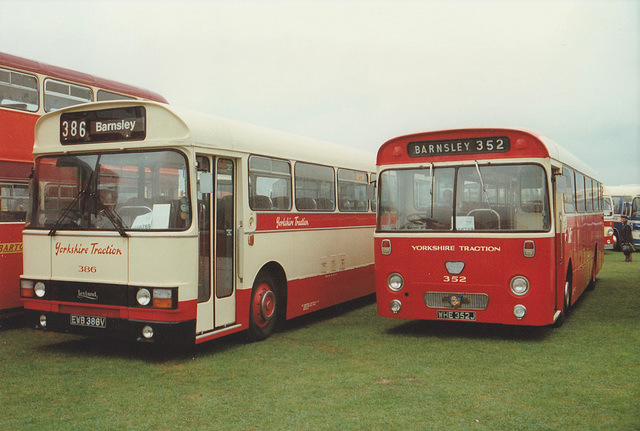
(345, 368)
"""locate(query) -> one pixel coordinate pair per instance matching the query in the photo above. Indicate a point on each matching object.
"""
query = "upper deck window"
(18, 90)
(58, 95)
(510, 198)
(104, 95)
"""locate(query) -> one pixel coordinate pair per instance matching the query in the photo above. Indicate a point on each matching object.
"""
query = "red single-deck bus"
(484, 225)
(148, 222)
(28, 89)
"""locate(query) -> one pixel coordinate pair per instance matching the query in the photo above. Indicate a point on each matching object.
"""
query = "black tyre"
(263, 311)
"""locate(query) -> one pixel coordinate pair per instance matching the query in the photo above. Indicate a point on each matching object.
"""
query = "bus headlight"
(519, 285)
(610, 232)
(39, 289)
(519, 311)
(147, 332)
(143, 297)
(395, 282)
(395, 306)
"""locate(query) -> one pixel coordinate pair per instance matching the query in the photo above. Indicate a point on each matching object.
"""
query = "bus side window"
(269, 184)
(569, 194)
(352, 190)
(315, 183)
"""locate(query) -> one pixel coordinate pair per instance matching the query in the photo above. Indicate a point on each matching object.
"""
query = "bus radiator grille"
(452, 300)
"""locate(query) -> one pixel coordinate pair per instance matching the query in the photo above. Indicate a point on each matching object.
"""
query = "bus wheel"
(263, 311)
(592, 282)
(567, 297)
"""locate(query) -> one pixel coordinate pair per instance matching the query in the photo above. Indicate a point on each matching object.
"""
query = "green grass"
(345, 368)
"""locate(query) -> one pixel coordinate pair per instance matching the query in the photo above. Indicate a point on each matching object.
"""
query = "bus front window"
(482, 198)
(112, 191)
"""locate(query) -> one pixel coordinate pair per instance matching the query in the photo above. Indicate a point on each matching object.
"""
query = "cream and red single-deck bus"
(152, 223)
(484, 225)
(28, 89)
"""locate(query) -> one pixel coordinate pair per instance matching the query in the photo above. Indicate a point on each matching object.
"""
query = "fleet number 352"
(454, 279)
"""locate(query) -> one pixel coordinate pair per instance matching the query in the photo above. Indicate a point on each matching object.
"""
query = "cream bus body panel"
(327, 250)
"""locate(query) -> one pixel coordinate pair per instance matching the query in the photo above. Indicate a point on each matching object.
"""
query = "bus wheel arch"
(566, 298)
(268, 301)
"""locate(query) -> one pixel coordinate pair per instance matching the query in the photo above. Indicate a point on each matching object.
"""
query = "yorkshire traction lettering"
(473, 248)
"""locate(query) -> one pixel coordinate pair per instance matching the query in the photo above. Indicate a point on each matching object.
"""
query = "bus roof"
(165, 123)
(623, 190)
(524, 144)
(76, 77)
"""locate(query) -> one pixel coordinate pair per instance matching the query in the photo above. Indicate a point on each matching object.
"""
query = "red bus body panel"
(489, 266)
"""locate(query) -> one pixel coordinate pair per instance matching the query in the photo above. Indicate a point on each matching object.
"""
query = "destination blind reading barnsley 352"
(493, 144)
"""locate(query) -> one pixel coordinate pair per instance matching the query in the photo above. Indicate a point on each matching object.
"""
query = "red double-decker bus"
(29, 89)
(485, 225)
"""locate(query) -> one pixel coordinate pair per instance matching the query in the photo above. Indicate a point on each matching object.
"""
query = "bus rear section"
(474, 225)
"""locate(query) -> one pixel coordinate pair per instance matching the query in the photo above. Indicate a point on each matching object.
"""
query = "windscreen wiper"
(66, 211)
(484, 188)
(113, 216)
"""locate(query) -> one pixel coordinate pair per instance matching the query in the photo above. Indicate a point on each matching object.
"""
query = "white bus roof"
(624, 190)
(168, 125)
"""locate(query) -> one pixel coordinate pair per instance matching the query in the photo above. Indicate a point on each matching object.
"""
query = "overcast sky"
(361, 72)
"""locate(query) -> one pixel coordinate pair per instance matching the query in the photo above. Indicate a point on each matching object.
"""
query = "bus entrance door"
(216, 215)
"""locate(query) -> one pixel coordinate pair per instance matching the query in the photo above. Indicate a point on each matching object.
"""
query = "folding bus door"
(216, 221)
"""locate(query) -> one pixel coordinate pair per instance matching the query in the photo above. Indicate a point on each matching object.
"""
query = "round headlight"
(147, 332)
(519, 311)
(395, 282)
(519, 285)
(143, 297)
(43, 321)
(39, 289)
(395, 306)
